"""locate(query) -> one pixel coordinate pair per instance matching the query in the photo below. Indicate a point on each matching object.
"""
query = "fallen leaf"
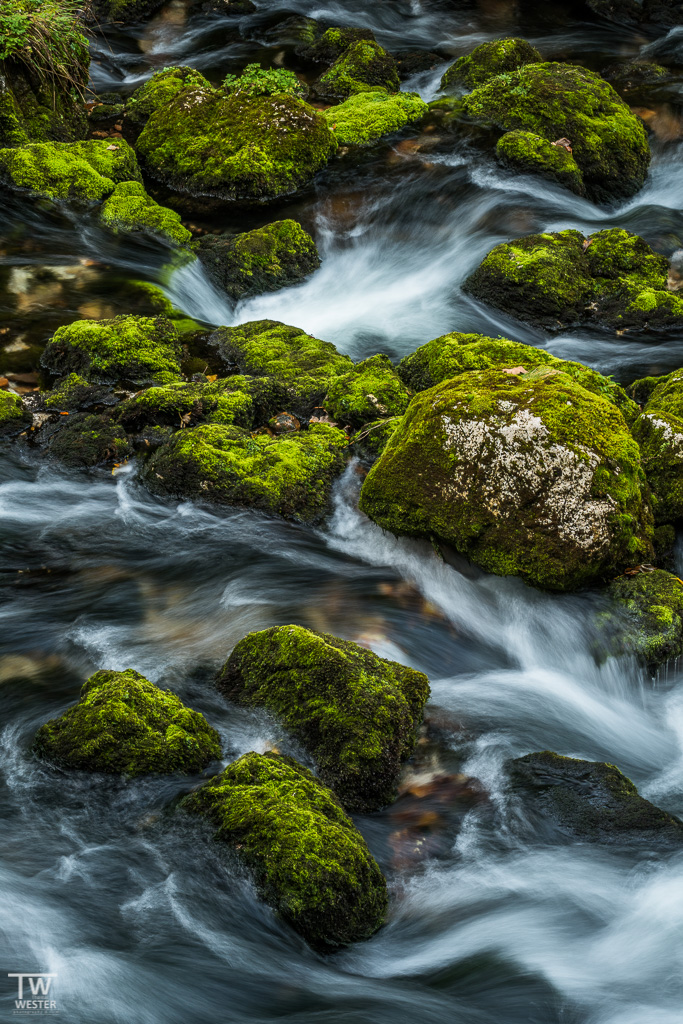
(212, 377)
(515, 371)
(113, 147)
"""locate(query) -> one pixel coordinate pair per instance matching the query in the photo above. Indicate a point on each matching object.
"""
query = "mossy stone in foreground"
(490, 59)
(290, 476)
(370, 115)
(129, 208)
(355, 712)
(659, 432)
(370, 391)
(532, 154)
(652, 624)
(593, 800)
(131, 347)
(125, 724)
(531, 476)
(70, 170)
(309, 861)
(362, 67)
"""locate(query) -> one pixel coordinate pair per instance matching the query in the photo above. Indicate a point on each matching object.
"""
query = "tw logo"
(40, 985)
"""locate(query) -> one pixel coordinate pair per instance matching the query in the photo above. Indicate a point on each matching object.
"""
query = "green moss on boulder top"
(158, 91)
(309, 861)
(69, 170)
(362, 67)
(489, 59)
(366, 116)
(355, 712)
(370, 391)
(531, 476)
(659, 432)
(651, 623)
(129, 208)
(125, 724)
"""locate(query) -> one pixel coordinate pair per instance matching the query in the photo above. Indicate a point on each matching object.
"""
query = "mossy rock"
(288, 476)
(124, 724)
(532, 154)
(278, 255)
(130, 209)
(649, 620)
(85, 441)
(158, 92)
(591, 800)
(489, 59)
(452, 354)
(332, 43)
(372, 390)
(367, 116)
(305, 365)
(13, 418)
(126, 11)
(73, 393)
(371, 439)
(659, 432)
(560, 279)
(553, 101)
(529, 476)
(308, 860)
(70, 170)
(362, 67)
(355, 712)
(134, 348)
(205, 142)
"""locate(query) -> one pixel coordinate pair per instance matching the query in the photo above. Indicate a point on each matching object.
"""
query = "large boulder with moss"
(136, 348)
(646, 618)
(130, 209)
(560, 279)
(267, 348)
(361, 67)
(278, 255)
(70, 170)
(289, 476)
(308, 860)
(367, 116)
(591, 800)
(124, 724)
(372, 390)
(157, 92)
(206, 142)
(530, 476)
(489, 59)
(659, 432)
(355, 712)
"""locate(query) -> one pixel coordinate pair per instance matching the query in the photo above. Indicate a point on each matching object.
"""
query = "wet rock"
(355, 712)
(308, 860)
(130, 209)
(89, 440)
(630, 12)
(659, 432)
(362, 67)
(371, 391)
(367, 116)
(125, 11)
(648, 619)
(69, 170)
(490, 59)
(284, 423)
(415, 62)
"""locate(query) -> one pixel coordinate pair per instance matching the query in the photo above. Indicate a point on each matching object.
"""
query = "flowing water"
(493, 920)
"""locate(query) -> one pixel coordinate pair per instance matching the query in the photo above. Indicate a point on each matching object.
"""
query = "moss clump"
(532, 154)
(370, 391)
(361, 67)
(592, 799)
(85, 441)
(309, 861)
(276, 256)
(552, 101)
(129, 208)
(258, 81)
(131, 347)
(267, 348)
(156, 93)
(124, 724)
(12, 415)
(530, 476)
(69, 170)
(207, 143)
(489, 59)
(355, 712)
(561, 279)
(289, 476)
(333, 43)
(366, 116)
(651, 623)
(659, 432)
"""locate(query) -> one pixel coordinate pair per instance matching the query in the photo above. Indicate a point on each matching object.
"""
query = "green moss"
(131, 347)
(158, 91)
(532, 154)
(235, 147)
(73, 392)
(333, 43)
(370, 391)
(355, 712)
(659, 432)
(129, 208)
(289, 476)
(84, 441)
(361, 67)
(278, 255)
(552, 101)
(258, 81)
(366, 116)
(308, 860)
(70, 170)
(12, 415)
(489, 59)
(649, 619)
(531, 476)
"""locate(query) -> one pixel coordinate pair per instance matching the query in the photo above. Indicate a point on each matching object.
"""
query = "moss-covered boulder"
(289, 476)
(648, 616)
(555, 101)
(70, 170)
(89, 440)
(532, 154)
(659, 432)
(361, 67)
(158, 92)
(278, 255)
(355, 712)
(560, 279)
(267, 348)
(366, 116)
(135, 348)
(326, 48)
(124, 724)
(308, 860)
(372, 390)
(531, 476)
(489, 59)
(130, 209)
(13, 417)
(592, 800)
(205, 142)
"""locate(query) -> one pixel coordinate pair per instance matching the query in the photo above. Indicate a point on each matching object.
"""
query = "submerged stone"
(308, 860)
(70, 170)
(651, 623)
(124, 724)
(659, 432)
(370, 391)
(355, 712)
(366, 116)
(489, 59)
(129, 208)
(362, 67)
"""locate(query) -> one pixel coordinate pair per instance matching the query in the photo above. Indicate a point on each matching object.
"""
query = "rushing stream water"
(492, 920)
